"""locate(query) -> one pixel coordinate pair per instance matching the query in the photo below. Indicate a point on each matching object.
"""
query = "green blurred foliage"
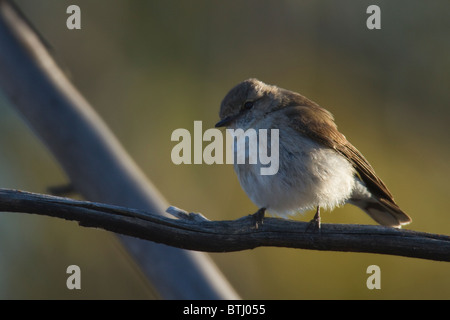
(150, 67)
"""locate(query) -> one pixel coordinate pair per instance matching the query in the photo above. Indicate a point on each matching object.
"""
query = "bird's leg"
(315, 222)
(259, 217)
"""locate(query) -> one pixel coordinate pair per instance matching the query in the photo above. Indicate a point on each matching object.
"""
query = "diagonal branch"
(194, 232)
(96, 164)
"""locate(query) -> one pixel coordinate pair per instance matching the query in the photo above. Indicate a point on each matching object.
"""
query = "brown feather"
(317, 123)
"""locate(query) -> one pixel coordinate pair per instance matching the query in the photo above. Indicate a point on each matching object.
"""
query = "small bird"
(318, 167)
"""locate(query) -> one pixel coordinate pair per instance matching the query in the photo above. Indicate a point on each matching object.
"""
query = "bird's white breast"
(309, 175)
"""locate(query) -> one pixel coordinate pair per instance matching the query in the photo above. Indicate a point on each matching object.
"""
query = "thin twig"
(195, 232)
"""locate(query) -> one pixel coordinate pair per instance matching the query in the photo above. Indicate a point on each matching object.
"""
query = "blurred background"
(150, 67)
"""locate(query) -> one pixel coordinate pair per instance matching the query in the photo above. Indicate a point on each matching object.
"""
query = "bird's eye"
(247, 105)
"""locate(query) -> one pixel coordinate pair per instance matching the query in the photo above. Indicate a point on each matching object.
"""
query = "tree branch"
(95, 162)
(195, 232)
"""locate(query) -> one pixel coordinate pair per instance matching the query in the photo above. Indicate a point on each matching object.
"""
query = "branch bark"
(95, 162)
(195, 232)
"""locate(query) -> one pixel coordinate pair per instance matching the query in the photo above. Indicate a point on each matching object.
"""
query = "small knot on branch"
(184, 215)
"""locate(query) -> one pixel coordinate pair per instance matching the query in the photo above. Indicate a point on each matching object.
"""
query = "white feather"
(309, 175)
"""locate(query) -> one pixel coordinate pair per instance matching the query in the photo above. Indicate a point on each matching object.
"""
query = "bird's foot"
(315, 224)
(258, 216)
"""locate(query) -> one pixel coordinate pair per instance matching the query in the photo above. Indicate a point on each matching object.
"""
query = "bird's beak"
(225, 121)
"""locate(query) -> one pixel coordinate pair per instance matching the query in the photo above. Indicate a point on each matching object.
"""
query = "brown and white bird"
(318, 166)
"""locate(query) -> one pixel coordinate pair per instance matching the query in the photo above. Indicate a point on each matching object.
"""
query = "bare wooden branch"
(95, 162)
(193, 231)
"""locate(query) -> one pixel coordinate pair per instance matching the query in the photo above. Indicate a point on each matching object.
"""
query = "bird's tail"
(383, 211)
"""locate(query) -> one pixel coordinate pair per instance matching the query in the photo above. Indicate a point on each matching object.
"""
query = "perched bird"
(318, 166)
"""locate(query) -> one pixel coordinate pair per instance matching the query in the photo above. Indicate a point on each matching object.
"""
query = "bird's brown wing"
(318, 124)
(311, 120)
